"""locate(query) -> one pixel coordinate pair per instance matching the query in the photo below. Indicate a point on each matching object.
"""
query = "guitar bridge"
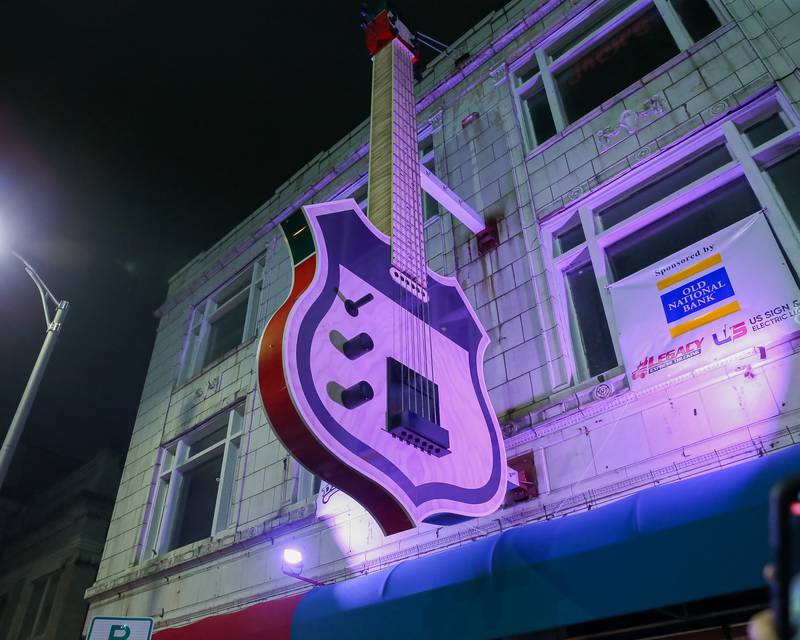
(413, 410)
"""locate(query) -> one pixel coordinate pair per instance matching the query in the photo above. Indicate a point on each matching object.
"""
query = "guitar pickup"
(420, 427)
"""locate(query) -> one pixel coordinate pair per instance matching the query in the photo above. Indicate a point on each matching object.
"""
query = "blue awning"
(694, 539)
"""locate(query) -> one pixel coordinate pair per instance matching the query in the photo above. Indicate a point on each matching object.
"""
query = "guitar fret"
(408, 250)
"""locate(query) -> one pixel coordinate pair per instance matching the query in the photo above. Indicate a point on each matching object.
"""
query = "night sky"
(133, 135)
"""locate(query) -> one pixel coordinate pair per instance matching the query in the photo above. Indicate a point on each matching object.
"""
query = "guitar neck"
(395, 201)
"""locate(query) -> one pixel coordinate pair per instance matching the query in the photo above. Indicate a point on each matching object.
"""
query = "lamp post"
(54, 325)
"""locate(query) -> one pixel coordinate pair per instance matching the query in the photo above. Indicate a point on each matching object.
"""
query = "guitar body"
(404, 462)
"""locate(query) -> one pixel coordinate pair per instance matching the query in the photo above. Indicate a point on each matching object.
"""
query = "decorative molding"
(436, 120)
(630, 121)
(499, 73)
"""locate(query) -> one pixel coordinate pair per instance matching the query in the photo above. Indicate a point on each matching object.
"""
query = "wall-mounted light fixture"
(292, 566)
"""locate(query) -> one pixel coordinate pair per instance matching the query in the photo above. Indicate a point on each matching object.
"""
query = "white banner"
(718, 297)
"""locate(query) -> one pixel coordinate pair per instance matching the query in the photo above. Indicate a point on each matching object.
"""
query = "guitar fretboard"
(395, 203)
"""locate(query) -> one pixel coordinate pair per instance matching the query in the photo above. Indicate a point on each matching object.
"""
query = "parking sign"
(103, 628)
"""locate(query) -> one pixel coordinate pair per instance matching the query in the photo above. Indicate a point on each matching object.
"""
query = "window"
(596, 354)
(541, 120)
(358, 190)
(701, 186)
(298, 485)
(40, 603)
(765, 130)
(430, 207)
(698, 17)
(784, 176)
(570, 236)
(304, 483)
(581, 66)
(223, 321)
(670, 183)
(617, 61)
(196, 484)
(710, 213)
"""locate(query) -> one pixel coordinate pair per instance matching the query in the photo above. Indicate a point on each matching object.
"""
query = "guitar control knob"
(357, 395)
(352, 306)
(357, 346)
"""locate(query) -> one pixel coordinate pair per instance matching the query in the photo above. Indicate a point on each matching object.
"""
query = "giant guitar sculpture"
(371, 372)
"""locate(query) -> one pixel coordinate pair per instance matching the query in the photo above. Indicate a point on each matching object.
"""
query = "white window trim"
(352, 188)
(174, 461)
(548, 66)
(744, 163)
(207, 312)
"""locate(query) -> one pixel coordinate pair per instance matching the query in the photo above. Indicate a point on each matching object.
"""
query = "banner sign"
(722, 295)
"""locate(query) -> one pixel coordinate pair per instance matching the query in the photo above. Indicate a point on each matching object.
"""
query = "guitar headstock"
(381, 25)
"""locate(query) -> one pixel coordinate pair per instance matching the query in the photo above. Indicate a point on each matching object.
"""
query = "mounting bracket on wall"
(469, 118)
(488, 238)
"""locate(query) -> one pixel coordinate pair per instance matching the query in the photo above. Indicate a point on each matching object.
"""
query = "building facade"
(51, 549)
(598, 139)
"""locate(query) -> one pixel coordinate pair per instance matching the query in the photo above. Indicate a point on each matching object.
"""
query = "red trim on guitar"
(292, 431)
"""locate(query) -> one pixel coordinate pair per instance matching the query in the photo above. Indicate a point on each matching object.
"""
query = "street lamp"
(53, 325)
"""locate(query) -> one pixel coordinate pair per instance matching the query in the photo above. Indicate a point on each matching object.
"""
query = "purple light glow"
(292, 557)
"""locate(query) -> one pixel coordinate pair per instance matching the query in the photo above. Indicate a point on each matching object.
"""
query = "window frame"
(352, 189)
(621, 12)
(52, 580)
(425, 160)
(424, 135)
(300, 483)
(750, 163)
(206, 312)
(175, 458)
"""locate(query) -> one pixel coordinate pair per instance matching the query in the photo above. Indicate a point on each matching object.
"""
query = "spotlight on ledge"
(292, 566)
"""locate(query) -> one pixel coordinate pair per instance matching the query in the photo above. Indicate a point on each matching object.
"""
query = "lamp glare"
(292, 556)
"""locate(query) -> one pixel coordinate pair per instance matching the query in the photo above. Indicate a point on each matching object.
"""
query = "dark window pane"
(47, 605)
(429, 205)
(34, 602)
(211, 438)
(706, 215)
(230, 292)
(697, 17)
(663, 187)
(543, 126)
(786, 176)
(226, 332)
(571, 237)
(195, 510)
(768, 129)
(641, 45)
(575, 35)
(425, 147)
(361, 194)
(528, 71)
(594, 334)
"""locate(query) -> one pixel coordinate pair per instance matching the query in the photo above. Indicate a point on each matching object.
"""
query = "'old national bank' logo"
(697, 295)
